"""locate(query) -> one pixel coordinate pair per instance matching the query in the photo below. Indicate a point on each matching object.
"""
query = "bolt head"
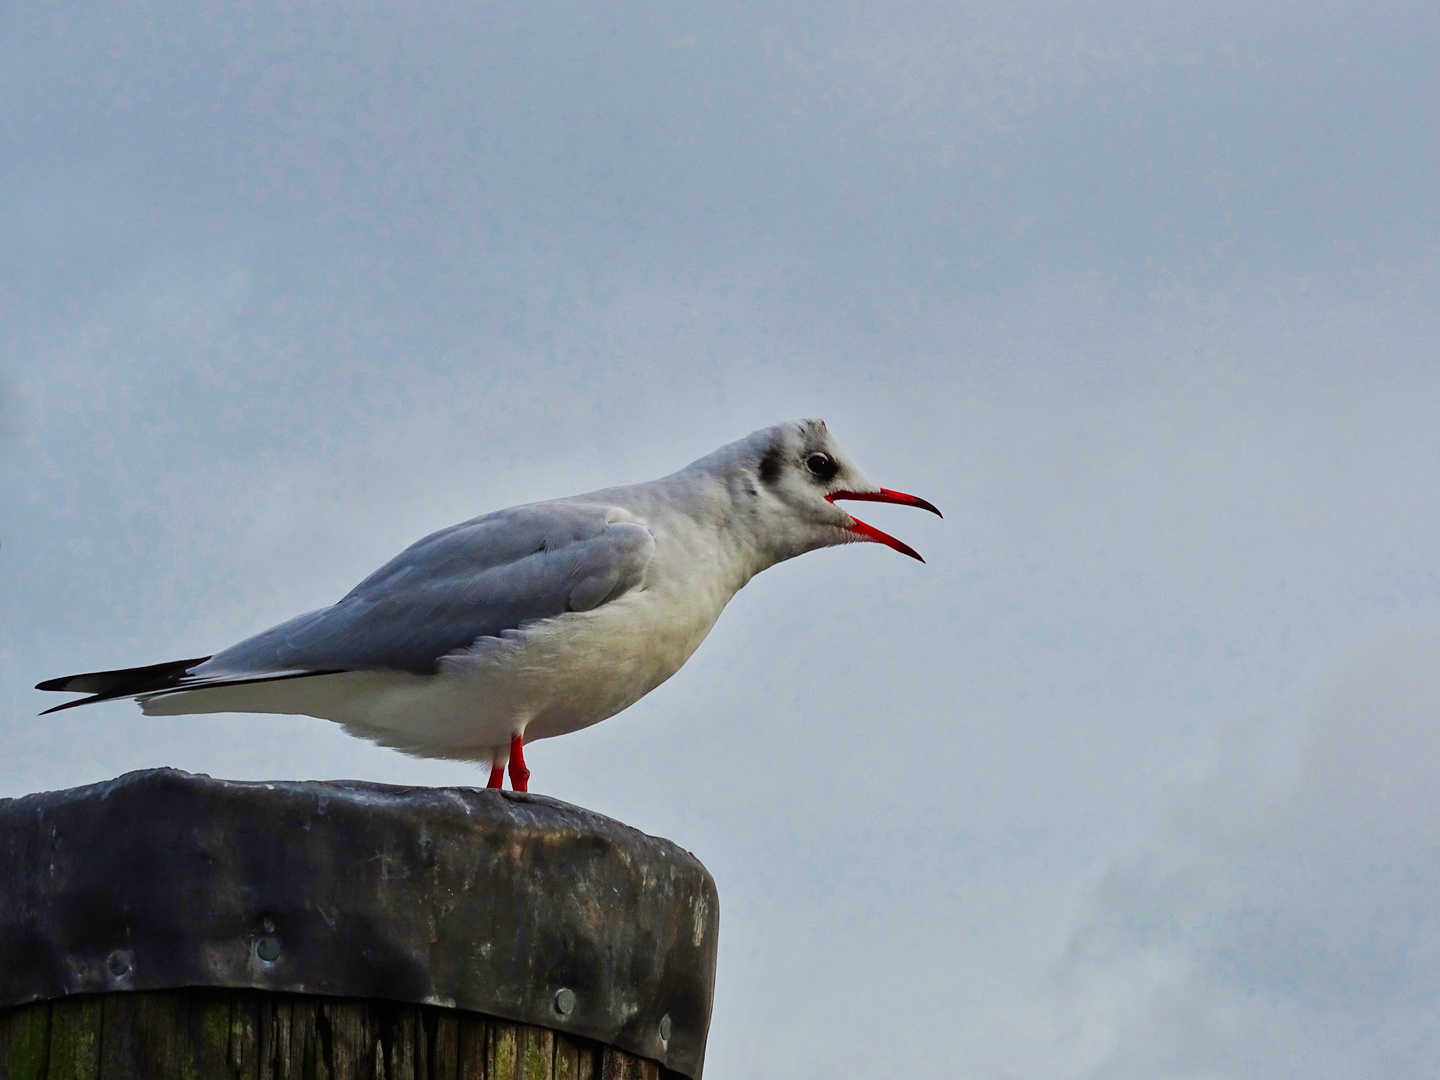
(564, 1001)
(268, 949)
(118, 963)
(665, 1028)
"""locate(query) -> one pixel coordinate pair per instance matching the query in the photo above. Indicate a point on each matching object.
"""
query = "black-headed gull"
(533, 621)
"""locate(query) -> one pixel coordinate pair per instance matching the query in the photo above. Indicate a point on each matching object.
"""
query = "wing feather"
(477, 579)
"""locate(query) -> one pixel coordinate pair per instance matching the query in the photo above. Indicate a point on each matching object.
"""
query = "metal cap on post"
(515, 906)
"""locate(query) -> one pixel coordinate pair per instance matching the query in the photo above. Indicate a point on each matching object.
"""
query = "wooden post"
(169, 925)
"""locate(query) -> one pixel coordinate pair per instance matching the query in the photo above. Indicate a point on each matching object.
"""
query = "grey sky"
(1135, 778)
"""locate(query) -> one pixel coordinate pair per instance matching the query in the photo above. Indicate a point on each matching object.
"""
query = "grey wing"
(476, 579)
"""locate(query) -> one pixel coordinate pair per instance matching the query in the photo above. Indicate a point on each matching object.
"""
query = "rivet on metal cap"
(118, 962)
(665, 1028)
(564, 1001)
(268, 949)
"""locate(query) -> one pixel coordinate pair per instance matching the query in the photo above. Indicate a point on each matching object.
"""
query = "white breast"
(553, 677)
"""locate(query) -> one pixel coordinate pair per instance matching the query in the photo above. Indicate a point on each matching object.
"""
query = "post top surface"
(515, 905)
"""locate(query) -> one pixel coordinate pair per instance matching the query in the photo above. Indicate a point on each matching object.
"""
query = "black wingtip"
(122, 682)
(77, 701)
(174, 683)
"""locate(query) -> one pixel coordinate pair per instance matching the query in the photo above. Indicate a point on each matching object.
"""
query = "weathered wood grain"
(25, 1042)
(443, 1038)
(617, 1065)
(575, 1059)
(74, 1051)
(535, 1053)
(256, 1035)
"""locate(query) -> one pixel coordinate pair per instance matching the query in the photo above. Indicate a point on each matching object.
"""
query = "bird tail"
(122, 683)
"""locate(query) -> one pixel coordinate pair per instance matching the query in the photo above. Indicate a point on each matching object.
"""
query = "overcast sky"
(1138, 777)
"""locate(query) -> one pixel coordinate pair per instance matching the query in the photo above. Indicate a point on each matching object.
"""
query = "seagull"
(535, 621)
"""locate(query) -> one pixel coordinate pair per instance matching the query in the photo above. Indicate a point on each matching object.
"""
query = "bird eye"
(822, 466)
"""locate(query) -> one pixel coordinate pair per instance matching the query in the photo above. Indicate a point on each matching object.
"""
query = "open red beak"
(884, 495)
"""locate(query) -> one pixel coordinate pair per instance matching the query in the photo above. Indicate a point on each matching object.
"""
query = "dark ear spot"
(770, 466)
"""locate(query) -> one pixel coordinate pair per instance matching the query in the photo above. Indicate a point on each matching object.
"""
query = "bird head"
(797, 472)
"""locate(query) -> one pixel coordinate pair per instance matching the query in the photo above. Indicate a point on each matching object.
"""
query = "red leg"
(519, 774)
(497, 774)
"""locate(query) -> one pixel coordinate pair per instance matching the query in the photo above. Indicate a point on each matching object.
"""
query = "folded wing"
(478, 579)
